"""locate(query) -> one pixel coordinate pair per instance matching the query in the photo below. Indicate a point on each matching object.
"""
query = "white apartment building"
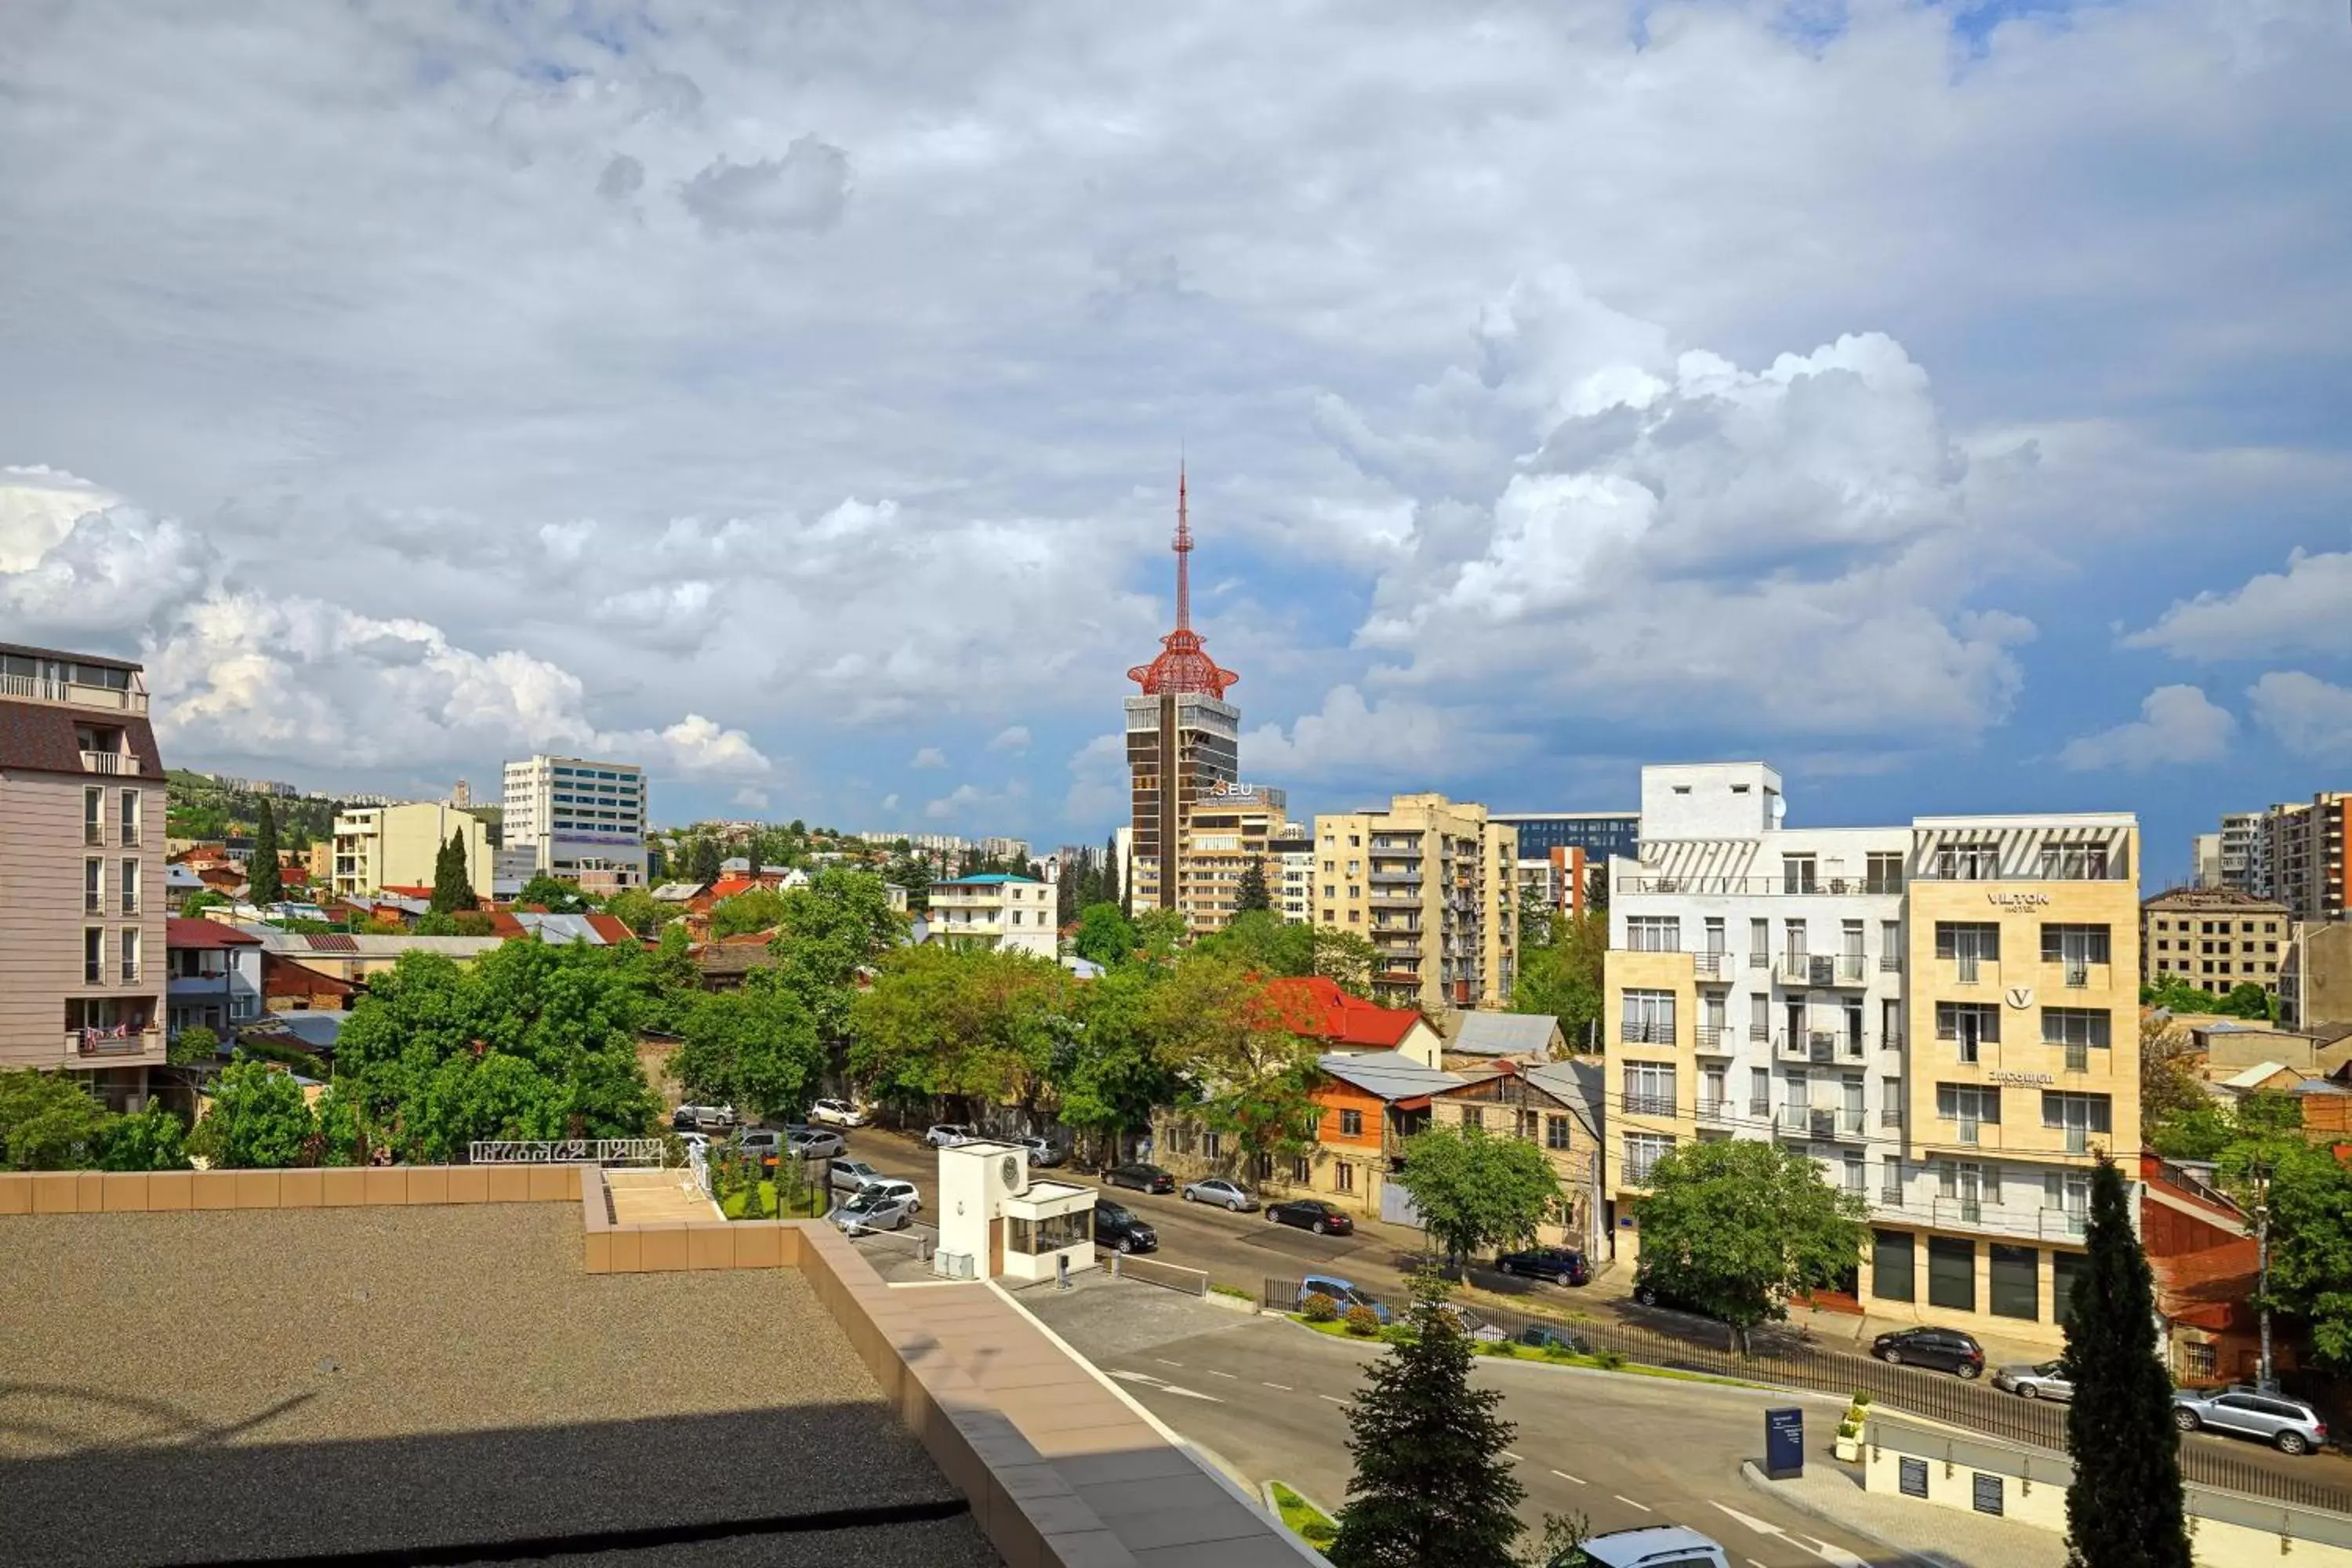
(1290, 871)
(994, 909)
(577, 816)
(1943, 1013)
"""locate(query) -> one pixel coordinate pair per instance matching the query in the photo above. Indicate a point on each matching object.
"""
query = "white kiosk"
(996, 1216)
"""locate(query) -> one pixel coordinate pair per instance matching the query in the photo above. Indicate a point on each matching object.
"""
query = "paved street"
(1269, 1398)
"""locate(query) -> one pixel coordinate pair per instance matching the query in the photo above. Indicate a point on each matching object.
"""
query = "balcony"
(1890, 964)
(1796, 1120)
(1762, 887)
(1715, 1040)
(1714, 1108)
(1395, 879)
(1633, 1104)
(110, 762)
(1890, 1197)
(123, 1041)
(1714, 966)
(1647, 1034)
(1811, 969)
(1760, 1109)
(42, 689)
(1890, 1116)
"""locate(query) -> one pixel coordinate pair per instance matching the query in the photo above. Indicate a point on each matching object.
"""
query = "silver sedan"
(873, 1209)
(1223, 1194)
(2046, 1380)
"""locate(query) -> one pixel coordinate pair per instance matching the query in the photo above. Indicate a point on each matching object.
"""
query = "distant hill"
(197, 807)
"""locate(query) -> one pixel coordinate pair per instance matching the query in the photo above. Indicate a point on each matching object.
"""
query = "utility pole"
(2260, 1172)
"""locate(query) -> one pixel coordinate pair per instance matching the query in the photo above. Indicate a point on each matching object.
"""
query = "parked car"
(872, 1209)
(1945, 1349)
(1472, 1324)
(1221, 1191)
(1141, 1177)
(761, 1143)
(837, 1113)
(947, 1134)
(892, 1187)
(1560, 1264)
(1649, 1291)
(1543, 1337)
(815, 1143)
(1118, 1229)
(2046, 1380)
(2287, 1423)
(1653, 1546)
(1342, 1292)
(1042, 1153)
(705, 1118)
(1311, 1213)
(848, 1175)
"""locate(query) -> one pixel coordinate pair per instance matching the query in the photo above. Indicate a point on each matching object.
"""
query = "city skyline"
(816, 450)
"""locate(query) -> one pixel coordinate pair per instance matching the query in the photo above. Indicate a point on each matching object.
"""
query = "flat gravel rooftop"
(219, 1385)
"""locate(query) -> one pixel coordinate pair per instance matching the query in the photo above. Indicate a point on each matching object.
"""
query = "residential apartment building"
(1294, 892)
(212, 976)
(576, 818)
(1944, 1016)
(1560, 851)
(2237, 850)
(82, 840)
(994, 909)
(2205, 861)
(1229, 828)
(2216, 939)
(2292, 853)
(381, 846)
(1432, 884)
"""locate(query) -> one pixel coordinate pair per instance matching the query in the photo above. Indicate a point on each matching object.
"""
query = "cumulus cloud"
(623, 177)
(2177, 724)
(929, 757)
(751, 798)
(804, 190)
(953, 802)
(2305, 609)
(1350, 737)
(2308, 716)
(1013, 738)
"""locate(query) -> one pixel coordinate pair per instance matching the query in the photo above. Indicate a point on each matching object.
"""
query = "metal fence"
(1151, 1271)
(1785, 1359)
(566, 1152)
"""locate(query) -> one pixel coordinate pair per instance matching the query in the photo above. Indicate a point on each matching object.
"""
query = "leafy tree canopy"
(1738, 1226)
(1251, 1076)
(47, 1123)
(640, 910)
(1252, 894)
(1476, 1192)
(840, 923)
(756, 1048)
(1563, 977)
(1104, 936)
(555, 896)
(1109, 1071)
(756, 909)
(453, 882)
(266, 885)
(154, 1139)
(258, 1119)
(981, 1022)
(2175, 994)
(196, 1046)
(194, 906)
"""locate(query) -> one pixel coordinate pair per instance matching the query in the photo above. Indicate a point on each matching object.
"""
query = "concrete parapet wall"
(143, 1192)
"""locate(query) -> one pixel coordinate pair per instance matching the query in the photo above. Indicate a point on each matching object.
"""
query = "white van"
(1658, 1546)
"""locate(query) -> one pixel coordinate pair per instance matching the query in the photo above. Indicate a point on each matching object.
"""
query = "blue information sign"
(1784, 1442)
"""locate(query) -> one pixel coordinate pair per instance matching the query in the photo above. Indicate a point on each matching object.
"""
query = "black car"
(1142, 1178)
(1119, 1229)
(1945, 1349)
(1560, 1264)
(1543, 1337)
(1311, 1213)
(1651, 1291)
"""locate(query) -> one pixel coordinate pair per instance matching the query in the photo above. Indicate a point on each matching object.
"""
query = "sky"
(1945, 401)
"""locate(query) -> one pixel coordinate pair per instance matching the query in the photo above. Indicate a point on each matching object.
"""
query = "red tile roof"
(728, 887)
(613, 928)
(1316, 1008)
(179, 932)
(408, 892)
(285, 977)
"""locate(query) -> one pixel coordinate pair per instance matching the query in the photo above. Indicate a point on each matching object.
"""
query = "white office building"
(994, 909)
(579, 820)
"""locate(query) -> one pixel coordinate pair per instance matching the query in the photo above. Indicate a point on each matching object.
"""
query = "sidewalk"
(1924, 1532)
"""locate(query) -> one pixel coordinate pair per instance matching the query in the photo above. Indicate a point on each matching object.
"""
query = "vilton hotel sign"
(2017, 900)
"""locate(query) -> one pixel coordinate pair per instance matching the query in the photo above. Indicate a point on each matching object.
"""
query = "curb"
(1757, 1483)
(1265, 1494)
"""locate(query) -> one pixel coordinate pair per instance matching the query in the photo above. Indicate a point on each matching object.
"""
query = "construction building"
(1433, 885)
(2217, 938)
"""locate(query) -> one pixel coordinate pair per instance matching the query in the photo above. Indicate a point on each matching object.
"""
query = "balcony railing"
(1796, 1120)
(1892, 1040)
(1890, 1116)
(1759, 1032)
(110, 762)
(1635, 1104)
(1760, 1109)
(2078, 1140)
(1711, 965)
(1714, 1108)
(1647, 1034)
(2078, 975)
(1890, 963)
(1715, 1038)
(119, 1041)
(93, 833)
(1890, 1197)
(1753, 887)
(2078, 1056)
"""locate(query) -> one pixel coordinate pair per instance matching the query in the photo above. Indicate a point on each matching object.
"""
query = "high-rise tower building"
(1183, 737)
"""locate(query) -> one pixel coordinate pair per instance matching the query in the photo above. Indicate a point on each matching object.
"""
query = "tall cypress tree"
(2124, 1508)
(1432, 1488)
(453, 885)
(264, 885)
(1252, 894)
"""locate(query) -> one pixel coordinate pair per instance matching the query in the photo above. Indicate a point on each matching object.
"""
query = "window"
(2073, 862)
(1977, 861)
(1760, 1092)
(1650, 1088)
(1967, 1025)
(1890, 945)
(1952, 1273)
(1643, 1153)
(1650, 1017)
(93, 956)
(93, 886)
(2015, 1282)
(1343, 1177)
(1797, 873)
(93, 817)
(2199, 1360)
(1890, 1102)
(1556, 1132)
(130, 817)
(2079, 1116)
(1474, 1117)
(2075, 946)
(1351, 1124)
(1212, 1145)
(1759, 1017)
(1715, 939)
(1759, 943)
(1890, 1256)
(130, 889)
(1967, 942)
(1050, 1234)
(2067, 1191)
(1301, 1172)
(2074, 1026)
(1968, 1104)
(1882, 873)
(1654, 933)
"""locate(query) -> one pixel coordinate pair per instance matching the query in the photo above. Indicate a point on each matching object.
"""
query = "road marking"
(1166, 1362)
(1753, 1564)
(1563, 1475)
(1215, 1373)
(1151, 1381)
(1836, 1556)
(1629, 1503)
(1751, 1520)
(1333, 1401)
(1284, 1387)
(1513, 1457)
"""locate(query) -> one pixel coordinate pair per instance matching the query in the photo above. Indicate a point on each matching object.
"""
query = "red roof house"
(1314, 1008)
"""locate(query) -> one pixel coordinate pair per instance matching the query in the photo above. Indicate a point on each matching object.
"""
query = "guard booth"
(995, 1211)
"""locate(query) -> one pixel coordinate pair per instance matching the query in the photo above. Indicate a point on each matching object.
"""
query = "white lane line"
(1213, 1371)
(1753, 1564)
(1165, 1362)
(1629, 1503)
(1151, 1381)
(1284, 1387)
(1563, 1475)
(1513, 1457)
(1761, 1527)
(1333, 1401)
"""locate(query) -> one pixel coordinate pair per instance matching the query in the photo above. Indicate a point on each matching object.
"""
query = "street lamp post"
(2263, 1379)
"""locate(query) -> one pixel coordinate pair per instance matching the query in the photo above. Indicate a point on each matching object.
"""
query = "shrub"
(1607, 1359)
(1363, 1322)
(1317, 1533)
(1395, 1333)
(1319, 1308)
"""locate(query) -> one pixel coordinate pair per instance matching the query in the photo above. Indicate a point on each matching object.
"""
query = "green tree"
(1345, 959)
(2268, 1163)
(154, 1139)
(49, 1122)
(2171, 1087)
(1265, 942)
(1249, 1074)
(453, 883)
(1430, 1488)
(1104, 936)
(1738, 1226)
(1252, 893)
(756, 1050)
(265, 886)
(194, 906)
(342, 1137)
(1474, 1191)
(553, 895)
(980, 1023)
(702, 860)
(1109, 1070)
(841, 923)
(259, 1120)
(194, 1047)
(640, 910)
(755, 909)
(2124, 1508)
(472, 923)
(431, 924)
(2248, 1000)
(1563, 978)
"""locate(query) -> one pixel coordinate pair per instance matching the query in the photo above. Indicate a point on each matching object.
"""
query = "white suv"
(947, 1134)
(837, 1113)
